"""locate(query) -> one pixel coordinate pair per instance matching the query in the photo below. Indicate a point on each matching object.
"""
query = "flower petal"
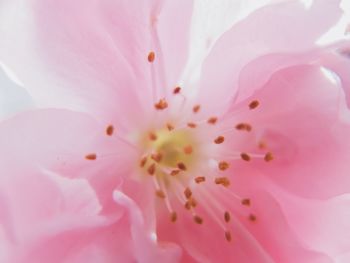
(305, 123)
(92, 54)
(317, 227)
(59, 140)
(145, 247)
(285, 27)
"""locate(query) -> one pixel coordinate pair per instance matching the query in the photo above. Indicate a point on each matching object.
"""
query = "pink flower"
(125, 164)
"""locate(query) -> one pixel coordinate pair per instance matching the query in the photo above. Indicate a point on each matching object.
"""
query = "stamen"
(244, 127)
(170, 127)
(196, 108)
(198, 219)
(109, 130)
(228, 236)
(224, 181)
(188, 149)
(188, 193)
(181, 166)
(160, 194)
(262, 145)
(252, 217)
(245, 157)
(174, 172)
(151, 169)
(191, 125)
(90, 156)
(219, 139)
(143, 161)
(212, 120)
(151, 56)
(254, 104)
(227, 217)
(268, 157)
(161, 104)
(245, 201)
(199, 179)
(173, 217)
(223, 165)
(177, 90)
(192, 202)
(152, 136)
(157, 157)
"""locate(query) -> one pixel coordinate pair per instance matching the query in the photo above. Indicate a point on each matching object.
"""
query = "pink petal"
(59, 140)
(144, 243)
(206, 242)
(276, 236)
(93, 54)
(307, 130)
(281, 28)
(324, 224)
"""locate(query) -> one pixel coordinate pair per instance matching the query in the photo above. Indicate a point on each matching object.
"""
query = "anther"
(160, 194)
(224, 181)
(151, 169)
(192, 202)
(245, 157)
(212, 120)
(196, 108)
(177, 90)
(191, 125)
(173, 216)
(228, 236)
(188, 193)
(198, 219)
(109, 130)
(174, 172)
(157, 157)
(219, 139)
(268, 157)
(143, 161)
(262, 145)
(245, 201)
(91, 156)
(188, 149)
(254, 104)
(188, 205)
(243, 127)
(181, 166)
(151, 56)
(161, 104)
(199, 179)
(223, 165)
(152, 136)
(252, 217)
(170, 127)
(227, 217)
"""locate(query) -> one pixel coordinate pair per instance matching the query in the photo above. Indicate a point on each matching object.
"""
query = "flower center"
(169, 152)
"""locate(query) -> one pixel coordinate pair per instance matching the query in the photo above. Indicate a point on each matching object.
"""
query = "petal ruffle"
(288, 27)
(303, 119)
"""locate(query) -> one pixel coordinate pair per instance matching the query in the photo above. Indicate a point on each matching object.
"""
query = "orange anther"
(245, 157)
(90, 156)
(219, 139)
(151, 56)
(161, 104)
(177, 90)
(223, 165)
(254, 104)
(109, 130)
